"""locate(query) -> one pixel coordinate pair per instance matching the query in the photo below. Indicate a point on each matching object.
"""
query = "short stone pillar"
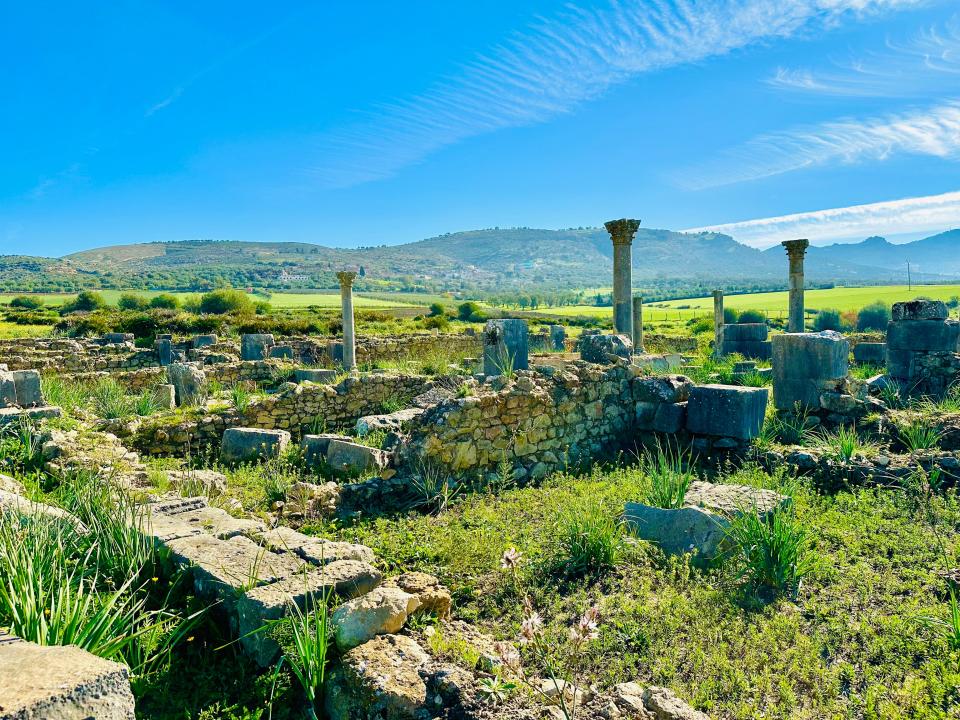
(638, 324)
(200, 341)
(807, 365)
(622, 232)
(558, 337)
(346, 279)
(920, 338)
(796, 251)
(718, 323)
(28, 387)
(256, 346)
(505, 346)
(189, 382)
(164, 351)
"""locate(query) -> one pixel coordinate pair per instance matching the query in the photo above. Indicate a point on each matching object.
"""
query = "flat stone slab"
(221, 568)
(60, 683)
(730, 500)
(12, 502)
(316, 551)
(727, 411)
(13, 414)
(349, 458)
(920, 310)
(391, 422)
(245, 444)
(315, 446)
(219, 523)
(345, 579)
(315, 375)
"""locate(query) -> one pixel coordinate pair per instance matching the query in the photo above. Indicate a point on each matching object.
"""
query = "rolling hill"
(481, 260)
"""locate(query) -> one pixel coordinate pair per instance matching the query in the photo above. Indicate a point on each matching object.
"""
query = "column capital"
(622, 230)
(796, 248)
(346, 278)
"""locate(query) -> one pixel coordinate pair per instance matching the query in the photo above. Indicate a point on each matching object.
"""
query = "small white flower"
(511, 559)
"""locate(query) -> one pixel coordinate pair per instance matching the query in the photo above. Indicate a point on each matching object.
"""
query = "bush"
(129, 301)
(86, 301)
(702, 325)
(470, 311)
(436, 309)
(751, 316)
(875, 316)
(25, 302)
(827, 320)
(165, 301)
(221, 302)
(438, 322)
(730, 316)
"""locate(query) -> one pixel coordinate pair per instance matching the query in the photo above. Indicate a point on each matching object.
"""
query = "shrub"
(919, 435)
(751, 316)
(438, 322)
(589, 540)
(730, 316)
(470, 311)
(702, 325)
(221, 302)
(771, 552)
(827, 319)
(875, 316)
(436, 309)
(26, 302)
(129, 301)
(165, 301)
(86, 301)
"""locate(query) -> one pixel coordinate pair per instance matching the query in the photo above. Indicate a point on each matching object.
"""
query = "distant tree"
(875, 316)
(221, 302)
(953, 302)
(165, 301)
(86, 301)
(827, 319)
(362, 272)
(26, 302)
(129, 301)
(470, 311)
(436, 310)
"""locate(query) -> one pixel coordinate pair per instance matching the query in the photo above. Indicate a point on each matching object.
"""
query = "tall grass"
(589, 539)
(920, 435)
(844, 444)
(670, 472)
(306, 653)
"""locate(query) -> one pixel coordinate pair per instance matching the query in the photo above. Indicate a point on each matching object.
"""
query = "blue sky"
(356, 124)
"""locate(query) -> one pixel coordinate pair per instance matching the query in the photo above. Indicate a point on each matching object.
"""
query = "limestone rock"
(188, 380)
(920, 310)
(350, 458)
(245, 444)
(603, 349)
(434, 598)
(379, 679)
(381, 611)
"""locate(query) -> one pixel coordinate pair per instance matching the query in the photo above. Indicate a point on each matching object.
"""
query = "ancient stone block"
(165, 396)
(759, 350)
(189, 382)
(315, 375)
(164, 349)
(870, 353)
(920, 310)
(745, 332)
(8, 389)
(381, 611)
(558, 334)
(255, 346)
(282, 351)
(201, 341)
(315, 446)
(116, 338)
(350, 458)
(604, 349)
(670, 418)
(61, 683)
(29, 392)
(810, 355)
(505, 346)
(245, 444)
(664, 389)
(727, 410)
(391, 422)
(924, 336)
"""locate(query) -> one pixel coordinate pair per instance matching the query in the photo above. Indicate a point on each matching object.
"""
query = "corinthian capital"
(622, 231)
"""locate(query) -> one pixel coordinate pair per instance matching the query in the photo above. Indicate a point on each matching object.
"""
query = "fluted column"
(346, 279)
(622, 232)
(796, 251)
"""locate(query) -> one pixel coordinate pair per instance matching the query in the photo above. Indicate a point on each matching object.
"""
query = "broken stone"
(382, 611)
(245, 444)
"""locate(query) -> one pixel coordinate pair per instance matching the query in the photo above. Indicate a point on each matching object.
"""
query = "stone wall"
(297, 408)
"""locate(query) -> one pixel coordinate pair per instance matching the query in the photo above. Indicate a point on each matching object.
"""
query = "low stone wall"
(225, 373)
(296, 408)
(73, 356)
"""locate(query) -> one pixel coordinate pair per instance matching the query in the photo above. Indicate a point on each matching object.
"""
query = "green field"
(773, 303)
(279, 300)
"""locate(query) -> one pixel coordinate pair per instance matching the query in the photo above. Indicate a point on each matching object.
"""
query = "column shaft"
(718, 323)
(346, 303)
(621, 233)
(638, 324)
(796, 250)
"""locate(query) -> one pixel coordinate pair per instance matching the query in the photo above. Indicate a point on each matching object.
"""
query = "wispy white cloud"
(932, 131)
(560, 62)
(932, 213)
(926, 63)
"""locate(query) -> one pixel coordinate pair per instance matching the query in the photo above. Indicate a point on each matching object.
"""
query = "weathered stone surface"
(727, 410)
(670, 418)
(27, 384)
(255, 608)
(391, 422)
(61, 683)
(189, 381)
(664, 389)
(165, 353)
(870, 353)
(15, 503)
(807, 364)
(924, 336)
(379, 679)
(762, 350)
(165, 396)
(256, 346)
(350, 458)
(745, 332)
(200, 341)
(316, 551)
(604, 349)
(920, 310)
(282, 352)
(315, 446)
(221, 568)
(732, 499)
(381, 611)
(505, 346)
(315, 375)
(245, 444)
(8, 389)
(558, 336)
(665, 705)
(434, 598)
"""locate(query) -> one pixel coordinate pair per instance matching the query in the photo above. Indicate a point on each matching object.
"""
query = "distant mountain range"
(483, 260)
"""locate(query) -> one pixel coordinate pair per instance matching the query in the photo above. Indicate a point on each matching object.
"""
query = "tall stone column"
(346, 301)
(796, 251)
(638, 324)
(718, 323)
(622, 232)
